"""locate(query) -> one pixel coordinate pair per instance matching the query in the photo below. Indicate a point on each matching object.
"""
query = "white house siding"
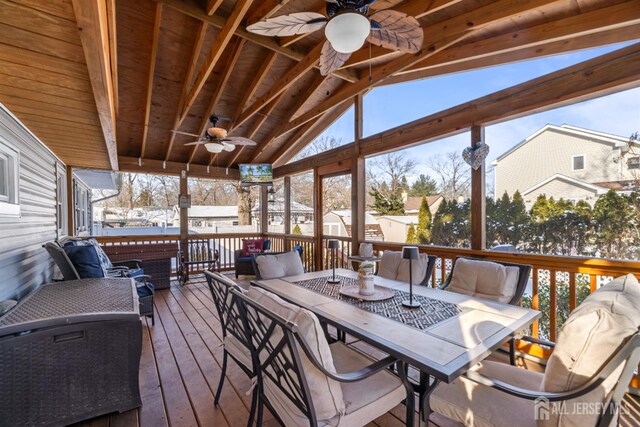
(395, 231)
(558, 186)
(551, 153)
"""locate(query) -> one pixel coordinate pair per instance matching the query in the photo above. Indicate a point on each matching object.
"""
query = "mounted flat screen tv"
(258, 174)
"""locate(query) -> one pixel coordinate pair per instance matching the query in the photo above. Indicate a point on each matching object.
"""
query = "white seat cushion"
(603, 321)
(238, 351)
(418, 269)
(475, 405)
(280, 265)
(325, 392)
(389, 264)
(484, 279)
(365, 400)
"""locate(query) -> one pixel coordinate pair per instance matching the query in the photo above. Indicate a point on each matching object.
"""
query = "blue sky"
(390, 106)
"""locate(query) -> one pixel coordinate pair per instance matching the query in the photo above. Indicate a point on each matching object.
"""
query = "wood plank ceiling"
(178, 61)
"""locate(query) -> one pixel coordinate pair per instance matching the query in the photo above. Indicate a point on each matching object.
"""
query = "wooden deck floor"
(180, 369)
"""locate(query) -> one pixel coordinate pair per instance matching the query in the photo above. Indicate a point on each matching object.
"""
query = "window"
(578, 162)
(61, 200)
(633, 162)
(9, 175)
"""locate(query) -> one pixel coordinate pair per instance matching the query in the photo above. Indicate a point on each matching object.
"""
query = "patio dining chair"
(304, 381)
(234, 335)
(493, 280)
(393, 267)
(586, 377)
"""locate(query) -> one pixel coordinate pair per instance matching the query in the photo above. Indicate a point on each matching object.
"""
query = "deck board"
(181, 364)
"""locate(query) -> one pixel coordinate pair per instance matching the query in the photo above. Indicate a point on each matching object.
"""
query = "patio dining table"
(442, 339)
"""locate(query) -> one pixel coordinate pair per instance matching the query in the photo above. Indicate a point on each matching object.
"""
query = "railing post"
(478, 202)
(184, 219)
(287, 213)
(358, 184)
(317, 220)
(264, 209)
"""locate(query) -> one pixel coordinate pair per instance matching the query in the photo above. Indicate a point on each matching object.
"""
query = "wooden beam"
(266, 9)
(295, 108)
(150, 74)
(458, 24)
(195, 54)
(478, 201)
(93, 24)
(624, 17)
(192, 8)
(318, 219)
(284, 83)
(130, 164)
(113, 49)
(213, 5)
(441, 66)
(604, 75)
(287, 206)
(236, 49)
(184, 216)
(358, 179)
(219, 45)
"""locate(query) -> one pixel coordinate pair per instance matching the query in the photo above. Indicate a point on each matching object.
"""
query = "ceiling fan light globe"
(214, 147)
(348, 31)
(215, 132)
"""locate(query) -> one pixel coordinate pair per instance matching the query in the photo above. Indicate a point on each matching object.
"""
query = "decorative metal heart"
(474, 156)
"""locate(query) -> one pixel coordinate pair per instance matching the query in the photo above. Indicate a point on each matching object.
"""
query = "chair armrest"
(237, 253)
(136, 263)
(537, 341)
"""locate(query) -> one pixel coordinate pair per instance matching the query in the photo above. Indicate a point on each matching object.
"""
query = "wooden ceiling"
(89, 75)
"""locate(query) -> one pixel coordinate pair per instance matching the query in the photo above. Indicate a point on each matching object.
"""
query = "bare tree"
(454, 174)
(391, 168)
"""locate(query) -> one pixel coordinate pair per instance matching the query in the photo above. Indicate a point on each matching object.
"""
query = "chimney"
(405, 197)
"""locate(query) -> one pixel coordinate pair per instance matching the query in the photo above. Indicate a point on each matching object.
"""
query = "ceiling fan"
(348, 26)
(215, 139)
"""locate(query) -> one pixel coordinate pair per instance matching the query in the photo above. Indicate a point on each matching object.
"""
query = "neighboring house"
(209, 216)
(396, 227)
(300, 214)
(567, 162)
(113, 217)
(412, 204)
(338, 223)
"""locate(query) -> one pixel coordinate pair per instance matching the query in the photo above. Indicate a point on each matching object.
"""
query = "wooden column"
(184, 214)
(71, 207)
(358, 184)
(264, 209)
(478, 197)
(317, 218)
(287, 211)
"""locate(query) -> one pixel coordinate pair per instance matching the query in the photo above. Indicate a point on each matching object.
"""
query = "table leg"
(427, 385)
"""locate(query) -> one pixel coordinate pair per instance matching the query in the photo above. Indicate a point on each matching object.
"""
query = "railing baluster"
(572, 291)
(553, 305)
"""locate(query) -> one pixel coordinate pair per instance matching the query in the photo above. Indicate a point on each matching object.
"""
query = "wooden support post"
(358, 185)
(317, 218)
(287, 212)
(71, 205)
(478, 201)
(184, 219)
(264, 209)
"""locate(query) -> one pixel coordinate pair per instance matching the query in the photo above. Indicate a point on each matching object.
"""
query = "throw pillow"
(252, 246)
(85, 260)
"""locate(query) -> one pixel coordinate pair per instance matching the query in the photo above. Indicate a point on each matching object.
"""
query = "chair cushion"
(105, 262)
(245, 259)
(134, 272)
(145, 290)
(388, 267)
(484, 279)
(476, 405)
(251, 246)
(280, 265)
(85, 260)
(418, 269)
(593, 331)
(326, 393)
(239, 351)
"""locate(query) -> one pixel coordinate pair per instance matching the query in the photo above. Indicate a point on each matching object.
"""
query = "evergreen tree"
(386, 205)
(296, 229)
(612, 216)
(424, 222)
(411, 235)
(424, 186)
(452, 224)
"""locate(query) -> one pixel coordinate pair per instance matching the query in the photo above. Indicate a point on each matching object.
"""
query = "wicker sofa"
(70, 351)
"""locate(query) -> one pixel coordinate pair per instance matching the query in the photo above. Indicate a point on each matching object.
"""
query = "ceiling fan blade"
(196, 143)
(396, 31)
(239, 140)
(184, 133)
(384, 4)
(227, 147)
(289, 25)
(330, 59)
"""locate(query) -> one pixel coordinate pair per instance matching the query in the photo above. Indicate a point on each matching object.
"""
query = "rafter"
(151, 73)
(604, 75)
(236, 49)
(131, 164)
(295, 108)
(213, 5)
(255, 84)
(220, 43)
(92, 19)
(466, 22)
(195, 54)
(266, 9)
(194, 9)
(284, 83)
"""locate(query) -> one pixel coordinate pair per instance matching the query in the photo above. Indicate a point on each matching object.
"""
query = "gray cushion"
(484, 279)
(280, 265)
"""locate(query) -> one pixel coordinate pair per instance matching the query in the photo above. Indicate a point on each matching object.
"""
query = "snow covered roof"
(213, 211)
